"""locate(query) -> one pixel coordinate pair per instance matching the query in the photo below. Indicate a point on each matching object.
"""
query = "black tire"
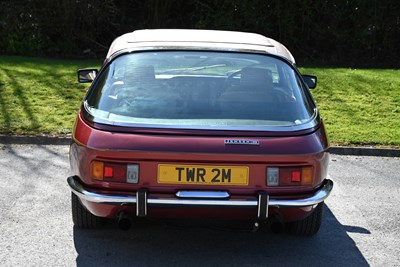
(81, 217)
(310, 225)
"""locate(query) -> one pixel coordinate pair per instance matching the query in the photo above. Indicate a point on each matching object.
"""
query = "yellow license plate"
(202, 175)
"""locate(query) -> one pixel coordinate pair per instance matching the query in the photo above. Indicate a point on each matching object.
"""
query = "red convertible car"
(199, 125)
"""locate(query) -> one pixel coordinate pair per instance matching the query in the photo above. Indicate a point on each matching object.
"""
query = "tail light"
(284, 176)
(114, 172)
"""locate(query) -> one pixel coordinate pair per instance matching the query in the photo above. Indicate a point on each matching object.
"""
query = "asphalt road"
(361, 226)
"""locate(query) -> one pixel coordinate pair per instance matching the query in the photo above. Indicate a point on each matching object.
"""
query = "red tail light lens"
(115, 172)
(284, 176)
(108, 172)
(296, 176)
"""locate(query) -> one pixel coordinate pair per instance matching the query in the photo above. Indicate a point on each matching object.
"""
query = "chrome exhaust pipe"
(124, 221)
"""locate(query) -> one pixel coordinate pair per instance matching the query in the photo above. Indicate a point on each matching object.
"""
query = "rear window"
(199, 89)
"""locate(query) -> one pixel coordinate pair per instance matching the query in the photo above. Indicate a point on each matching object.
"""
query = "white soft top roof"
(198, 39)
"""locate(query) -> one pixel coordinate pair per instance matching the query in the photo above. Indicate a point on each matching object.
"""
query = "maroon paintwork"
(149, 148)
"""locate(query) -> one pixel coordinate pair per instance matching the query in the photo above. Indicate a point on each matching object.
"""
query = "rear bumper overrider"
(198, 198)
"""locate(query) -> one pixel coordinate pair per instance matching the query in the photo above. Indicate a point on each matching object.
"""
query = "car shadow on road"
(158, 244)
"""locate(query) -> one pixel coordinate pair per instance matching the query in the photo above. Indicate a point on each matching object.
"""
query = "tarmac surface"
(360, 225)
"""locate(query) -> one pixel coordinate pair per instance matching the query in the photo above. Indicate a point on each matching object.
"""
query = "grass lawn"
(41, 96)
(359, 106)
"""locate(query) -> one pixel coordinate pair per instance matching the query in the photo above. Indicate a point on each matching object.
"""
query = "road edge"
(34, 140)
(66, 140)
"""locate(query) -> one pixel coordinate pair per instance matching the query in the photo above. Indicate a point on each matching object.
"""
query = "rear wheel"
(310, 225)
(81, 217)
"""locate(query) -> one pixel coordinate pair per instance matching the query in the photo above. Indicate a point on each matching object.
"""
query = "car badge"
(241, 142)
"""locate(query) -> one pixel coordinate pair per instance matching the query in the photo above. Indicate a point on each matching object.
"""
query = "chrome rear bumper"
(220, 199)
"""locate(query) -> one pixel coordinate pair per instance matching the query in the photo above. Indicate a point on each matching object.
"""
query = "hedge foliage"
(358, 33)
